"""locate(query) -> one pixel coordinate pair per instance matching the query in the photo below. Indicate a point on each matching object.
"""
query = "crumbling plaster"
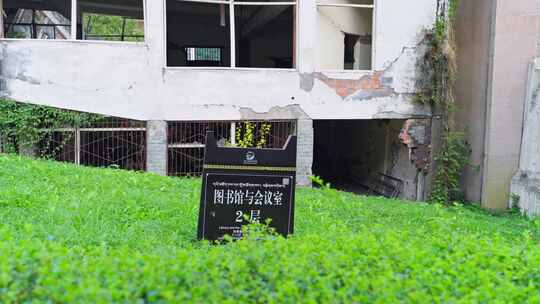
(130, 79)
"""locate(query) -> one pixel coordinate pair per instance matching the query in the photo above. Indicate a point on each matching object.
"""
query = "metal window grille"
(186, 140)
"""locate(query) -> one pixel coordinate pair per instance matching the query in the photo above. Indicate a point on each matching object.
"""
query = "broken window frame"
(232, 4)
(74, 29)
(373, 7)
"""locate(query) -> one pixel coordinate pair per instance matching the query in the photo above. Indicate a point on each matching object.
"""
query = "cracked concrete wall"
(130, 79)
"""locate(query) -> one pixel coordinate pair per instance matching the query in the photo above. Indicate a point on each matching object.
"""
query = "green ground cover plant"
(86, 235)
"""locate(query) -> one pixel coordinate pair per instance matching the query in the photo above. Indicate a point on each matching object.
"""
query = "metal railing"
(186, 140)
(113, 142)
(132, 38)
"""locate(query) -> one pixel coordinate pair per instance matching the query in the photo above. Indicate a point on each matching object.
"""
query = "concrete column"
(304, 157)
(436, 143)
(156, 147)
(525, 188)
(473, 33)
(306, 55)
(514, 32)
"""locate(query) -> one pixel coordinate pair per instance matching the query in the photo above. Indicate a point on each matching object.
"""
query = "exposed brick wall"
(348, 87)
(416, 134)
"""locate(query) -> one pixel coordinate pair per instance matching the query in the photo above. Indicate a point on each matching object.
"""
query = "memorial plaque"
(243, 185)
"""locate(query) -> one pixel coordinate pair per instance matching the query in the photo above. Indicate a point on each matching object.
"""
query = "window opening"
(37, 19)
(252, 34)
(264, 36)
(111, 21)
(197, 34)
(345, 29)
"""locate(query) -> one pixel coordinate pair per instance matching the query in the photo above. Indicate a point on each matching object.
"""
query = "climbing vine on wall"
(27, 126)
(438, 70)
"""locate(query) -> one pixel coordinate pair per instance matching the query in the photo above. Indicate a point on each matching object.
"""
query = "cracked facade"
(373, 79)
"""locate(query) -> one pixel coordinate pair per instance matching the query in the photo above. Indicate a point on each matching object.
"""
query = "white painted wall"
(331, 47)
(130, 79)
(399, 25)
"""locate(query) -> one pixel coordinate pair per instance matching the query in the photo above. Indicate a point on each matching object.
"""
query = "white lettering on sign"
(248, 197)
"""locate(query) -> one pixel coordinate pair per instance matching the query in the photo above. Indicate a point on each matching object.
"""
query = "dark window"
(37, 19)
(198, 34)
(265, 36)
(115, 20)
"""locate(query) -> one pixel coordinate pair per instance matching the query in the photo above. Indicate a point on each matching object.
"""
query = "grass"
(84, 235)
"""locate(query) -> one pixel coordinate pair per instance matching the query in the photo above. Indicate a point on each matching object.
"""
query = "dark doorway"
(364, 156)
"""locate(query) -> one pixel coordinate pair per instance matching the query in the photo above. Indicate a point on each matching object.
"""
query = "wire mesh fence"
(186, 140)
(121, 143)
(109, 142)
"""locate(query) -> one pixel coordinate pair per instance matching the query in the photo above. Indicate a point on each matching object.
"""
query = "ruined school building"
(339, 74)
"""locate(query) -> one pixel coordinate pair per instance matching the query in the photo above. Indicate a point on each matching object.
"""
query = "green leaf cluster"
(450, 163)
(252, 135)
(108, 27)
(23, 124)
(83, 235)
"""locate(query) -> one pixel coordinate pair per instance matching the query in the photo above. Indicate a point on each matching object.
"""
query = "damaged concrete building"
(339, 74)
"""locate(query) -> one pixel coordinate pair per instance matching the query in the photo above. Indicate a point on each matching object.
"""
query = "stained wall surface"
(498, 40)
(131, 79)
(473, 33)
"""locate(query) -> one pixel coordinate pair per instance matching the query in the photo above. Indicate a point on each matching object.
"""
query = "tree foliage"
(24, 124)
(107, 27)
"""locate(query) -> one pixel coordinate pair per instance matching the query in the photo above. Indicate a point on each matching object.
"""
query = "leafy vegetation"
(249, 134)
(25, 125)
(438, 72)
(115, 28)
(84, 235)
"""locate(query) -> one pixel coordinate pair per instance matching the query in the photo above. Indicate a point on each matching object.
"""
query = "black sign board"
(243, 185)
